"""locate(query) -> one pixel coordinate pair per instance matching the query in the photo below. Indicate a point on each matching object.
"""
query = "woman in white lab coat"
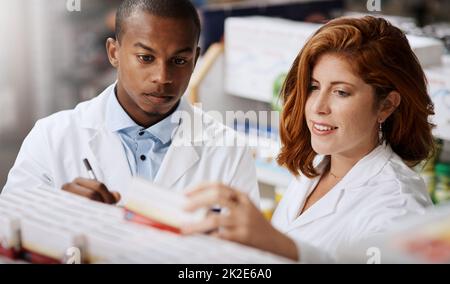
(355, 120)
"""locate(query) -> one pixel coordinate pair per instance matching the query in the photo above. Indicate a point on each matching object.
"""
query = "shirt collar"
(164, 129)
(118, 120)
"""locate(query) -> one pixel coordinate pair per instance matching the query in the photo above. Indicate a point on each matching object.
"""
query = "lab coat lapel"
(177, 161)
(302, 188)
(324, 207)
(182, 154)
(365, 169)
(110, 160)
(107, 157)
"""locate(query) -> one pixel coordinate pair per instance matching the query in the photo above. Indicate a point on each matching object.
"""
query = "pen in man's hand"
(89, 169)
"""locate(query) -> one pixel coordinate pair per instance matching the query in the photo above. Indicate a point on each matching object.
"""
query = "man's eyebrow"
(183, 50)
(141, 45)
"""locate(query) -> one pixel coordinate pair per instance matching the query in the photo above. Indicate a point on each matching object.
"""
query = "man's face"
(155, 60)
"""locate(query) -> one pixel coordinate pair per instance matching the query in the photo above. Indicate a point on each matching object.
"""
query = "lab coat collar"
(365, 169)
(111, 158)
(108, 159)
(94, 116)
(93, 113)
(117, 119)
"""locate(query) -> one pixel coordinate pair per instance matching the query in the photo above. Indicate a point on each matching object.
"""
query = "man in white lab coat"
(140, 125)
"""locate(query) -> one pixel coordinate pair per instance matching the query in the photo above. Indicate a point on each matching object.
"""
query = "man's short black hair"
(181, 9)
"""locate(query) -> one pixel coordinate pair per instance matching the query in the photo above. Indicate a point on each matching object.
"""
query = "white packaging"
(258, 50)
(429, 51)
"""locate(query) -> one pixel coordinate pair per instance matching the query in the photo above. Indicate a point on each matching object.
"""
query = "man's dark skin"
(154, 57)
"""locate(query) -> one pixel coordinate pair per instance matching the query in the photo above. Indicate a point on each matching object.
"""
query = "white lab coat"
(378, 191)
(53, 151)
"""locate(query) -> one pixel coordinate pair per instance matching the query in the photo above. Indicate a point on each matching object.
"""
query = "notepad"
(152, 205)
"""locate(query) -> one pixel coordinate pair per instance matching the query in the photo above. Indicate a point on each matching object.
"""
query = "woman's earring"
(380, 133)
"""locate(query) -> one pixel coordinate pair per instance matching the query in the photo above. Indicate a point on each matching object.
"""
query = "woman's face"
(340, 110)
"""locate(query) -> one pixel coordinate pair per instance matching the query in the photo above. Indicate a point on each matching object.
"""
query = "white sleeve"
(244, 178)
(31, 168)
(312, 255)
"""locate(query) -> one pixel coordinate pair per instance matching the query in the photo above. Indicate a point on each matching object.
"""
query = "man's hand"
(93, 190)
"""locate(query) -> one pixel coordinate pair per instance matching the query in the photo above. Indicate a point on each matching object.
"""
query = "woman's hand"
(240, 221)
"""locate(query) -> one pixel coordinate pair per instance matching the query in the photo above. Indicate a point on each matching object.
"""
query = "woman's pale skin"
(343, 119)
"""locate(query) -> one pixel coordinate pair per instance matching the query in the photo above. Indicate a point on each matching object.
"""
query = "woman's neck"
(341, 164)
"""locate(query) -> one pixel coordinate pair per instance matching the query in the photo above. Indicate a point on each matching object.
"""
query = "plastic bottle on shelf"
(267, 207)
(426, 170)
(442, 187)
(279, 192)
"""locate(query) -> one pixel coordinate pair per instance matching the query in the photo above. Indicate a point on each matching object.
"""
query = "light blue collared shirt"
(145, 148)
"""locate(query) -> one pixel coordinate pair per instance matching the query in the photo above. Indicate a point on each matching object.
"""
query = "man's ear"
(112, 49)
(389, 105)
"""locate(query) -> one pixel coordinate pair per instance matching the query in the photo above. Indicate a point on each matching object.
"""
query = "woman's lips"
(322, 129)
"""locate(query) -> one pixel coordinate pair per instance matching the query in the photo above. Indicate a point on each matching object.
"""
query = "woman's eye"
(342, 93)
(313, 88)
(146, 58)
(180, 61)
